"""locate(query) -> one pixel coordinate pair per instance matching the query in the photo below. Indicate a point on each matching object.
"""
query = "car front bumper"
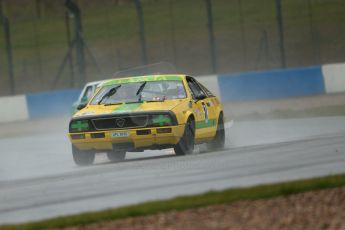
(135, 139)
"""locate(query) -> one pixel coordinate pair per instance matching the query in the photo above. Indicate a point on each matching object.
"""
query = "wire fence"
(46, 45)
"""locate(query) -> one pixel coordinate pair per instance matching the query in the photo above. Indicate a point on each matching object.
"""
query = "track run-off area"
(38, 178)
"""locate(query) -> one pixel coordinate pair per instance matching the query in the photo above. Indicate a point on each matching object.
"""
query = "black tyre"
(116, 155)
(186, 143)
(219, 140)
(81, 157)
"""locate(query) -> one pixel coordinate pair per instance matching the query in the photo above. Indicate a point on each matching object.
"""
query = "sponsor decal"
(198, 113)
(144, 78)
(125, 108)
(205, 112)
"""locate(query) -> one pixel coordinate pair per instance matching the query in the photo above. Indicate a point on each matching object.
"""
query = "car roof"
(165, 77)
(94, 83)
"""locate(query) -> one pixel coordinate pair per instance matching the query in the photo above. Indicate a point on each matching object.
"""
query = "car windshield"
(140, 91)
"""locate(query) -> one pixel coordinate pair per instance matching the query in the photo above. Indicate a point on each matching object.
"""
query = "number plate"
(119, 134)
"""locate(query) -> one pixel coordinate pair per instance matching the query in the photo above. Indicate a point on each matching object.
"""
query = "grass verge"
(189, 202)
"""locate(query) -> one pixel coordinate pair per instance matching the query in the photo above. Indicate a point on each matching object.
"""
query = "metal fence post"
(243, 34)
(211, 36)
(74, 9)
(38, 8)
(139, 8)
(314, 36)
(69, 43)
(172, 26)
(8, 45)
(281, 33)
(37, 47)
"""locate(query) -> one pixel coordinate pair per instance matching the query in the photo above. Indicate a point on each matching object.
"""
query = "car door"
(204, 116)
(211, 103)
(210, 106)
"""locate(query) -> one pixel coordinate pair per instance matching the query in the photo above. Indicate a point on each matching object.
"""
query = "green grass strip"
(189, 202)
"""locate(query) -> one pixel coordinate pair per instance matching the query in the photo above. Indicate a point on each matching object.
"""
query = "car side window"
(208, 92)
(194, 88)
(87, 94)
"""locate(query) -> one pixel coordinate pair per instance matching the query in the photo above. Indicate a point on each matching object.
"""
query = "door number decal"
(206, 112)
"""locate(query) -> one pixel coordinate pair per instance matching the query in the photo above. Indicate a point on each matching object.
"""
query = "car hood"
(92, 110)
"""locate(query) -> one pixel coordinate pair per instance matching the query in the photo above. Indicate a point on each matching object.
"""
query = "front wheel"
(219, 140)
(186, 143)
(116, 155)
(82, 157)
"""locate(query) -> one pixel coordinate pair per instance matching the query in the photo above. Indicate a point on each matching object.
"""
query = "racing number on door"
(205, 112)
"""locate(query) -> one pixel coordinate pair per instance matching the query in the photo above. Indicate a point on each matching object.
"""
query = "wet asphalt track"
(38, 178)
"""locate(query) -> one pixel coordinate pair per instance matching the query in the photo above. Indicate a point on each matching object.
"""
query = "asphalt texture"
(38, 178)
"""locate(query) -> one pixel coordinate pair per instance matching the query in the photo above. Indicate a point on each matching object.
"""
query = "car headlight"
(161, 120)
(79, 126)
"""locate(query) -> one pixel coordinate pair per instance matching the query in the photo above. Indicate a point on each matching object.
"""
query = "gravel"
(322, 209)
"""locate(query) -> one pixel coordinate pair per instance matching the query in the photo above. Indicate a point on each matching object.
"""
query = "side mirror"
(200, 97)
(81, 106)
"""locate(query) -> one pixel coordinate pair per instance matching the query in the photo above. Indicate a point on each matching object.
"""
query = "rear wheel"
(82, 157)
(219, 140)
(116, 155)
(186, 143)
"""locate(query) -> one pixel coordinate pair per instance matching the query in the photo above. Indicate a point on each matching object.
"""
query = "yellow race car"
(146, 112)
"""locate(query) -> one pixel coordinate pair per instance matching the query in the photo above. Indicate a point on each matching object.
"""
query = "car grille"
(120, 122)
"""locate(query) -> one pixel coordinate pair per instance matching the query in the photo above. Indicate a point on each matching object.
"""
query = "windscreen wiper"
(110, 93)
(133, 102)
(142, 86)
(116, 103)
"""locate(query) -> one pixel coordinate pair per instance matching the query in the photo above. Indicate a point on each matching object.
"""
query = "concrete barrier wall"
(274, 84)
(13, 109)
(334, 77)
(51, 103)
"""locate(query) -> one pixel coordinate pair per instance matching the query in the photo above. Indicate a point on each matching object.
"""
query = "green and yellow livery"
(146, 112)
